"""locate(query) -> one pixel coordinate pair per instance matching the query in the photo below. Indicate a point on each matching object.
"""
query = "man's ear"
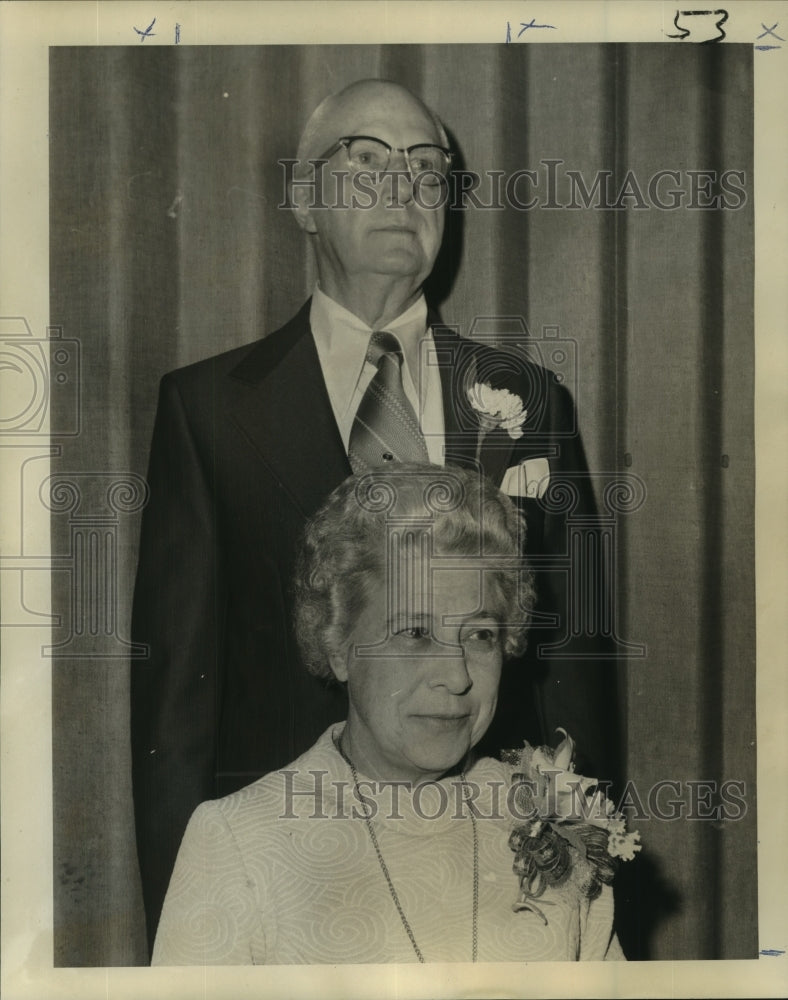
(338, 664)
(301, 201)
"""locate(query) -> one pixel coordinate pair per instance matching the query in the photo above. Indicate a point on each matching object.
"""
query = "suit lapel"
(460, 433)
(283, 409)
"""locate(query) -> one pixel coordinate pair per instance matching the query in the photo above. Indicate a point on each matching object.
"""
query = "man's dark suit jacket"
(245, 448)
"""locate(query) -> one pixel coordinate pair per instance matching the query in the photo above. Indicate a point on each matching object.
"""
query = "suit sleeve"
(177, 613)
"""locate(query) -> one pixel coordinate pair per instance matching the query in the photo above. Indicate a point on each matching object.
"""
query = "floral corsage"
(570, 831)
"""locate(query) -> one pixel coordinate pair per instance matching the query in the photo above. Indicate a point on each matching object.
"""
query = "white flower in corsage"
(498, 408)
(567, 828)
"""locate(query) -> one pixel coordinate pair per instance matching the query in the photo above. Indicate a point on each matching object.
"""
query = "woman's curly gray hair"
(345, 544)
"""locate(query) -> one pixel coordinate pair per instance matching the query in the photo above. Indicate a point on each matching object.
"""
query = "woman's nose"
(448, 669)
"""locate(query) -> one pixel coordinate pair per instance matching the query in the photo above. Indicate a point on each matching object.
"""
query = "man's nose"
(399, 178)
(448, 669)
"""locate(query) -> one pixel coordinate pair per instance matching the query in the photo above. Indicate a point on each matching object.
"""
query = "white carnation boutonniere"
(497, 408)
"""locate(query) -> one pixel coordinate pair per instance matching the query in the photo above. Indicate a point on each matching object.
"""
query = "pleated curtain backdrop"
(168, 245)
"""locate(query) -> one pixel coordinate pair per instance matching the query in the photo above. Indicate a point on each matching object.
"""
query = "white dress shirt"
(342, 340)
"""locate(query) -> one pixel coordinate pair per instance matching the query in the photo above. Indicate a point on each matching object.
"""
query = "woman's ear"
(338, 664)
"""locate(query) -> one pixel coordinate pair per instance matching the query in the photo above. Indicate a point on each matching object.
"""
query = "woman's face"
(422, 674)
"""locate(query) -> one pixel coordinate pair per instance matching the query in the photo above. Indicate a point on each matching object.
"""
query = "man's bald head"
(338, 114)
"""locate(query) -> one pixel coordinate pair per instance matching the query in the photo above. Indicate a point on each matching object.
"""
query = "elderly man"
(248, 444)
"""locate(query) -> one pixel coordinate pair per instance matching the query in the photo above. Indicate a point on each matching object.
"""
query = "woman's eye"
(486, 634)
(414, 632)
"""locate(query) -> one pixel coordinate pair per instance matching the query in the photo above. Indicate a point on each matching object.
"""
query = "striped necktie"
(385, 428)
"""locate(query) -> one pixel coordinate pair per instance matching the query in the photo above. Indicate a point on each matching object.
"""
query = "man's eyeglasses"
(426, 162)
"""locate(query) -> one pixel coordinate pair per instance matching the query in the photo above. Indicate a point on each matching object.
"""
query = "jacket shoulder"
(217, 364)
(237, 360)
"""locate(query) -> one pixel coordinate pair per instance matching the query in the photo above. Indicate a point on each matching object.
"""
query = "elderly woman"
(388, 841)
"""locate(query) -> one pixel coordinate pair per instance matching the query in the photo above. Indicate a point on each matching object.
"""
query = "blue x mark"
(770, 31)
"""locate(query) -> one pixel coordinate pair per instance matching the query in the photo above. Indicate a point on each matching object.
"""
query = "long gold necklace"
(384, 867)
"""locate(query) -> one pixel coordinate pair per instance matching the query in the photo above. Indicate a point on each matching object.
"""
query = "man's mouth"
(443, 716)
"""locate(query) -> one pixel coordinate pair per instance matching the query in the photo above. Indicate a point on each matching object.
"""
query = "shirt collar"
(342, 338)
